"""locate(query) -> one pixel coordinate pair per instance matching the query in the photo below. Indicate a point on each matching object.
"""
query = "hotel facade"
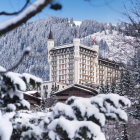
(79, 64)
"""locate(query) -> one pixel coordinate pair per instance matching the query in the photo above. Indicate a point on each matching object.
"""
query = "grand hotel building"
(79, 64)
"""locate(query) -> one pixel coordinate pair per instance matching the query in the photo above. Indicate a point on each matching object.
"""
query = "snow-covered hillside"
(35, 35)
(114, 47)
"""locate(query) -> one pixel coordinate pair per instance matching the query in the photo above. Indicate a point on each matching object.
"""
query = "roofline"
(111, 61)
(90, 48)
(72, 45)
(85, 88)
(63, 46)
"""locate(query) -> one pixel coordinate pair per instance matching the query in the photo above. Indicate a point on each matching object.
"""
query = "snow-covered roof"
(30, 92)
(86, 47)
(79, 86)
(72, 45)
(63, 46)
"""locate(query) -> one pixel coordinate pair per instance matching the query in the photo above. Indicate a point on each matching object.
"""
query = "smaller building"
(61, 93)
(78, 90)
(33, 97)
(48, 86)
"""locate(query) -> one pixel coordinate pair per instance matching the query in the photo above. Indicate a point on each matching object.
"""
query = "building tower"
(73, 63)
(50, 45)
(79, 64)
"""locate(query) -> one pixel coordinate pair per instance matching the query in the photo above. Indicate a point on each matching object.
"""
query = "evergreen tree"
(42, 104)
(126, 82)
(101, 88)
(106, 88)
(84, 116)
(125, 85)
(13, 86)
(53, 90)
(136, 111)
(112, 87)
(119, 86)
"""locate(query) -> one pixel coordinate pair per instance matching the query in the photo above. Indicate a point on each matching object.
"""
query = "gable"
(63, 95)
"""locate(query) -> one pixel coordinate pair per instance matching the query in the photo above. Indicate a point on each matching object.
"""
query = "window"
(45, 87)
(70, 65)
(62, 71)
(70, 76)
(60, 77)
(71, 70)
(70, 81)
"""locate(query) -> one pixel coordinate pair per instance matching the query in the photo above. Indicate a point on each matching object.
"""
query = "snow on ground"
(5, 128)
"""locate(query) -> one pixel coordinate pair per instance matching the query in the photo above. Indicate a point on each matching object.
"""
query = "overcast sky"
(100, 10)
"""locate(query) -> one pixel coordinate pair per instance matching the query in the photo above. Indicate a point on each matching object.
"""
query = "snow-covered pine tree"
(119, 86)
(106, 87)
(13, 86)
(112, 87)
(136, 111)
(125, 85)
(78, 118)
(101, 88)
(128, 86)
(53, 90)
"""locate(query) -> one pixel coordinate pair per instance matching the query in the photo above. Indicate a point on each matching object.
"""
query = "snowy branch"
(31, 11)
(17, 12)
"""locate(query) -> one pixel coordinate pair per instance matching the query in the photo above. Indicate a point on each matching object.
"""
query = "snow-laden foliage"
(66, 129)
(5, 128)
(78, 118)
(126, 84)
(136, 111)
(13, 85)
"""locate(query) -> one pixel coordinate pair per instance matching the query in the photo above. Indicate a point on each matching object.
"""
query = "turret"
(50, 43)
(96, 48)
(76, 42)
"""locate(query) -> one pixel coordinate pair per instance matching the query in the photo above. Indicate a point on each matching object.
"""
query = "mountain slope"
(35, 34)
(111, 45)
